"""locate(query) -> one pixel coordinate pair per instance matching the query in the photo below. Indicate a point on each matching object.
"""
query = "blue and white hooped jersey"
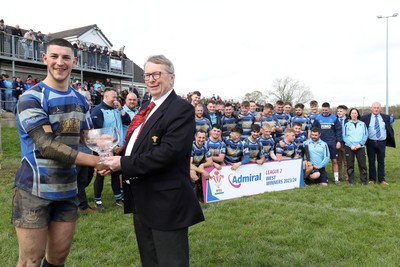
(227, 124)
(268, 145)
(67, 113)
(199, 154)
(215, 148)
(235, 151)
(287, 150)
(246, 122)
(305, 124)
(255, 149)
(203, 124)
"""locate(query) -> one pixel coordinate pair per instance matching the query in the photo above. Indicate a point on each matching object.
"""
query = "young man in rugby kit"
(51, 117)
(200, 159)
(301, 118)
(253, 108)
(286, 149)
(237, 151)
(216, 146)
(282, 117)
(228, 120)
(201, 122)
(255, 147)
(314, 110)
(267, 141)
(245, 119)
(267, 117)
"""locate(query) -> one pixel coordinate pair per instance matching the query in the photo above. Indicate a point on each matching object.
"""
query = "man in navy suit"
(156, 170)
(380, 135)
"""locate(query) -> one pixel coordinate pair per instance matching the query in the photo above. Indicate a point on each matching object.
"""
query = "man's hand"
(236, 165)
(260, 161)
(101, 167)
(111, 164)
(205, 174)
(217, 166)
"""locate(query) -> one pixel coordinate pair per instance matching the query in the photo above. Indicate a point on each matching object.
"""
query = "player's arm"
(278, 127)
(261, 160)
(258, 117)
(50, 148)
(209, 162)
(202, 170)
(219, 159)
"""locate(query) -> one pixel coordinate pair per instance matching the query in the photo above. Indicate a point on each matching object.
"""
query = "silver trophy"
(102, 141)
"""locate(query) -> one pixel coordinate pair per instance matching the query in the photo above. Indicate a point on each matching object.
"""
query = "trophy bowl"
(102, 141)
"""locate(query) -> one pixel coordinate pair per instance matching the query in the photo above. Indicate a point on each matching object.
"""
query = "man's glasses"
(156, 75)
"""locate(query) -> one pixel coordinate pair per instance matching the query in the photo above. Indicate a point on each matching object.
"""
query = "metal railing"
(16, 48)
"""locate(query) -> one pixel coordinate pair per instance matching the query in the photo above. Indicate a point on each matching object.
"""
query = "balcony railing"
(16, 49)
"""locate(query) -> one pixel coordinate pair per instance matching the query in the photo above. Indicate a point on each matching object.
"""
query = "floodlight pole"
(387, 57)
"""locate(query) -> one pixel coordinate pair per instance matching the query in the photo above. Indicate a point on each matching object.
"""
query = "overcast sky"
(228, 48)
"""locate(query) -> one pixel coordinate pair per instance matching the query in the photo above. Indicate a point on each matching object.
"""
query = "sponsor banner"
(251, 179)
(115, 64)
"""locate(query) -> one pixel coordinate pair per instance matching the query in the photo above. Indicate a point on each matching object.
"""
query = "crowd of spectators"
(33, 43)
(95, 56)
(12, 87)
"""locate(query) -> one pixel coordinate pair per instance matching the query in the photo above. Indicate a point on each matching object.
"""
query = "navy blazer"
(390, 140)
(158, 169)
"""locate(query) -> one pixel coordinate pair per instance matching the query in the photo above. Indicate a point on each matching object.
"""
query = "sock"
(118, 197)
(46, 264)
(336, 175)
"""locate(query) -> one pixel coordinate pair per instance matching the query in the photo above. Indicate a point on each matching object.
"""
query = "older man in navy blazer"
(156, 171)
(380, 135)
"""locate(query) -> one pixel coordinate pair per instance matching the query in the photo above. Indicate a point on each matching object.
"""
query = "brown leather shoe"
(88, 210)
(384, 183)
(372, 182)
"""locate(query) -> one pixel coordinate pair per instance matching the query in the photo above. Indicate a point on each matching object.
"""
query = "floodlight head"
(379, 17)
(395, 14)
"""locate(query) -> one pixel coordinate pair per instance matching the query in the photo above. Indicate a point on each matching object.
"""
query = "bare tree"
(289, 90)
(257, 96)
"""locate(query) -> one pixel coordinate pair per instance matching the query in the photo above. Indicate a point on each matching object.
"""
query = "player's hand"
(206, 174)
(235, 166)
(217, 166)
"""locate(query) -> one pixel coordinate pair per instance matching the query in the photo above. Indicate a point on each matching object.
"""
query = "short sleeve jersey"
(67, 113)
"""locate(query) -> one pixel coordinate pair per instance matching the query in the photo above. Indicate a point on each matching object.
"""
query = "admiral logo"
(236, 181)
